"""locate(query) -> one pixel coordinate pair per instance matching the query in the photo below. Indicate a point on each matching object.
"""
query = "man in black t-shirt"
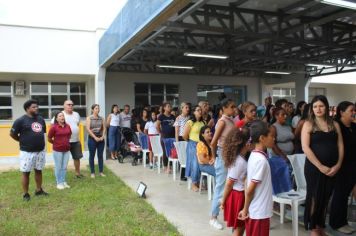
(29, 130)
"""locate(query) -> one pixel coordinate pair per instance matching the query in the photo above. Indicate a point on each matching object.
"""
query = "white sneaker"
(345, 230)
(216, 224)
(350, 228)
(60, 186)
(66, 185)
(92, 176)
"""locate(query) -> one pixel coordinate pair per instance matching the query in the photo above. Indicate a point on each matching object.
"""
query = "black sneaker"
(41, 193)
(79, 176)
(26, 197)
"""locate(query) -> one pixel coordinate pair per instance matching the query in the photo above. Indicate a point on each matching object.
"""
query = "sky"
(68, 14)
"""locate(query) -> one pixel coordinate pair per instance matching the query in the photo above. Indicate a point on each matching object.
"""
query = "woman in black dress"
(346, 177)
(323, 146)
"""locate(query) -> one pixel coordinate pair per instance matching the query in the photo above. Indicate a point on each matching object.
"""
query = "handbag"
(173, 153)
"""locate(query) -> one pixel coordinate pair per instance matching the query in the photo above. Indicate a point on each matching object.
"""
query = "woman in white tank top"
(113, 124)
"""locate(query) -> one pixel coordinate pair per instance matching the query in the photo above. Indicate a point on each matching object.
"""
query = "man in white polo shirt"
(72, 118)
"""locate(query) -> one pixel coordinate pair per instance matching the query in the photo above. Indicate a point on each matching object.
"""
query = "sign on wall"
(19, 88)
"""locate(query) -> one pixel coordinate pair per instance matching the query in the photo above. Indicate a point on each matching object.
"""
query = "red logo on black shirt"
(36, 127)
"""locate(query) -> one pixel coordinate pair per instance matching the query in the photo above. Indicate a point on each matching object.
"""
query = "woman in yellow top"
(191, 134)
(204, 153)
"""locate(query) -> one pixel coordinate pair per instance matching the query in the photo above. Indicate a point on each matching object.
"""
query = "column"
(302, 83)
(99, 84)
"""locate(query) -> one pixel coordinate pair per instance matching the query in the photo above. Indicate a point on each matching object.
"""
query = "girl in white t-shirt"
(151, 130)
(235, 148)
(257, 210)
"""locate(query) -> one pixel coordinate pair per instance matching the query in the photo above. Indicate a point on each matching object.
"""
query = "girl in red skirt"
(235, 149)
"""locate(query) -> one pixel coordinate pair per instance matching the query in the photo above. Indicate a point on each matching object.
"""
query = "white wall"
(43, 50)
(337, 93)
(18, 101)
(120, 86)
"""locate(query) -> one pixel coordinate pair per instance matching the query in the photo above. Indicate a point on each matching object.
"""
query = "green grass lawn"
(101, 206)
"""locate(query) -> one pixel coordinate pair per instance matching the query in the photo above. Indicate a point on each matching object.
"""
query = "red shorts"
(233, 205)
(257, 227)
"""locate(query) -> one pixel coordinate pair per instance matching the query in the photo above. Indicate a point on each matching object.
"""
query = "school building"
(179, 50)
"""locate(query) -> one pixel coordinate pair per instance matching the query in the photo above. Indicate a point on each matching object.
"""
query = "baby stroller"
(130, 145)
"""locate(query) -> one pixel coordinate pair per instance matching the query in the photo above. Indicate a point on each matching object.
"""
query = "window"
(289, 93)
(51, 96)
(211, 93)
(156, 94)
(316, 91)
(5, 101)
(286, 93)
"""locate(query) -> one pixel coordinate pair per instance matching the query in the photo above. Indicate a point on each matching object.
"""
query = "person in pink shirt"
(59, 136)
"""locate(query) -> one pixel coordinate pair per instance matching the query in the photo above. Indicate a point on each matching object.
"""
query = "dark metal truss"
(254, 40)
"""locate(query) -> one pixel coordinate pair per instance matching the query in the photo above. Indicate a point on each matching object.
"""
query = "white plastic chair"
(174, 161)
(210, 182)
(157, 150)
(144, 151)
(293, 198)
(181, 148)
(298, 162)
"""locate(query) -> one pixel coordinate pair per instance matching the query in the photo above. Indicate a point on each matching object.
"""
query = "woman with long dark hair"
(141, 121)
(165, 128)
(191, 134)
(222, 128)
(268, 117)
(298, 130)
(322, 144)
(204, 153)
(235, 153)
(298, 113)
(346, 177)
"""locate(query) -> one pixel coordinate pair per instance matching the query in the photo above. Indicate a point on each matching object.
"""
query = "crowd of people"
(232, 143)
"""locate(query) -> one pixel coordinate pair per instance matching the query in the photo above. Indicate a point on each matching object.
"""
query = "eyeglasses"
(70, 104)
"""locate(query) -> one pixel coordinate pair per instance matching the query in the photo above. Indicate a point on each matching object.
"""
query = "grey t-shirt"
(284, 138)
(125, 120)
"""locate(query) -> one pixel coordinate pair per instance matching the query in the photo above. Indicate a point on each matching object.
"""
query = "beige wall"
(120, 86)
